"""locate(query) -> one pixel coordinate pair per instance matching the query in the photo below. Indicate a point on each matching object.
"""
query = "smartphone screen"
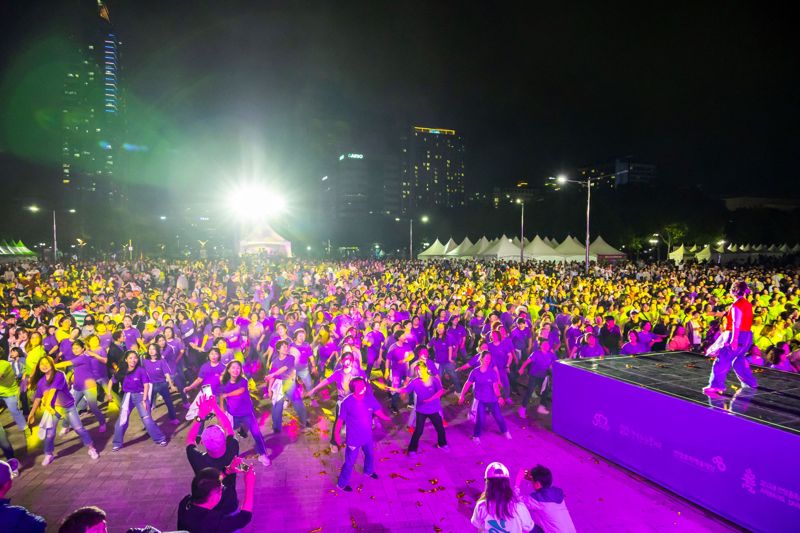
(207, 390)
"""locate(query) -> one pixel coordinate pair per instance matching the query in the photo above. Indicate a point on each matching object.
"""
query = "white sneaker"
(47, 459)
(476, 440)
(507, 435)
(264, 460)
(93, 453)
(63, 431)
(542, 410)
(521, 412)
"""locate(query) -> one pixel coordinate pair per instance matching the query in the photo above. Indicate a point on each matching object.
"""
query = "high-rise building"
(434, 169)
(92, 112)
(621, 171)
(348, 188)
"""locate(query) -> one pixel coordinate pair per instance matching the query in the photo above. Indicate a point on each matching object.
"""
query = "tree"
(674, 232)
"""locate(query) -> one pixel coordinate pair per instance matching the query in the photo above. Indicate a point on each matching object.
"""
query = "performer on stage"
(737, 339)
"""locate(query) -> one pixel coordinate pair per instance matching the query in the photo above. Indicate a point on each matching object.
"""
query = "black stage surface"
(776, 401)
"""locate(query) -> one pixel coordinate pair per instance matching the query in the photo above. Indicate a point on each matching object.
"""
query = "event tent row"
(538, 249)
(14, 249)
(732, 253)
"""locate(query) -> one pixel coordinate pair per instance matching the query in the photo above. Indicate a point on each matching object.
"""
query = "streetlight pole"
(55, 241)
(410, 239)
(521, 230)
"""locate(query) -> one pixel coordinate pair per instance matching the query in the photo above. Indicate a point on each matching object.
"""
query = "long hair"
(499, 497)
(226, 375)
(123, 366)
(38, 374)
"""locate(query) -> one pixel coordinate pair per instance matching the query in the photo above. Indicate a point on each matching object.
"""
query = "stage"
(737, 455)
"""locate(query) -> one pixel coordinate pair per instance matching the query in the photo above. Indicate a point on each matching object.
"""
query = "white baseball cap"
(495, 470)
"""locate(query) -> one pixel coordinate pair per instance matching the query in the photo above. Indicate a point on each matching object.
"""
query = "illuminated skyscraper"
(434, 169)
(92, 110)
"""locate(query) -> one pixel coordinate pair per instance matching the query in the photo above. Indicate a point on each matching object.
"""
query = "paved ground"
(436, 491)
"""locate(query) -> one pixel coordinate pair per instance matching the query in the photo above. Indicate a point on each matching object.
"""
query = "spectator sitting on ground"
(13, 517)
(85, 520)
(546, 502)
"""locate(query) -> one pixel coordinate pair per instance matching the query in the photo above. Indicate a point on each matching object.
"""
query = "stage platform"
(738, 455)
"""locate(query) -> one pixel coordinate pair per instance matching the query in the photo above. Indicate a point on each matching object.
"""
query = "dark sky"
(705, 90)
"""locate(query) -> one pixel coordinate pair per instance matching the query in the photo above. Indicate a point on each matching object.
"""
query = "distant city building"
(348, 187)
(92, 112)
(752, 202)
(508, 195)
(433, 174)
(622, 171)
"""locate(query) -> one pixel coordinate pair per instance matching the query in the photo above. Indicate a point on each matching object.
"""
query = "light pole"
(424, 219)
(562, 179)
(36, 209)
(521, 202)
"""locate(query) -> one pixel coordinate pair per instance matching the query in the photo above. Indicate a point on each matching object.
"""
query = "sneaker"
(507, 435)
(116, 448)
(476, 440)
(444, 448)
(373, 475)
(162, 443)
(395, 411)
(264, 460)
(174, 421)
(542, 410)
(712, 391)
(63, 431)
(521, 412)
(334, 448)
(346, 488)
(102, 428)
(47, 459)
(93, 453)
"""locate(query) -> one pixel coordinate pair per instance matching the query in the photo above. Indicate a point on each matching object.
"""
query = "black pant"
(436, 419)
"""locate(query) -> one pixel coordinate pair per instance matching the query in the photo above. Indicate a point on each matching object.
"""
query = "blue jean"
(180, 380)
(534, 385)
(297, 403)
(5, 444)
(137, 400)
(304, 374)
(89, 396)
(163, 389)
(64, 416)
(350, 456)
(727, 357)
(494, 407)
(12, 402)
(449, 370)
(250, 423)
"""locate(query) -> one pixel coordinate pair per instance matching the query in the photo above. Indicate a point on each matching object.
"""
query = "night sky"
(705, 90)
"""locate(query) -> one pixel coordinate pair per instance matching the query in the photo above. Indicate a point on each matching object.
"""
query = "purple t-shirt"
(62, 397)
(376, 340)
(156, 370)
(342, 379)
(211, 375)
(591, 351)
(540, 363)
(49, 343)
(423, 392)
(131, 337)
(240, 405)
(65, 349)
(630, 348)
(288, 362)
(484, 384)
(99, 368)
(305, 354)
(134, 381)
(105, 340)
(520, 337)
(441, 350)
(357, 417)
(499, 355)
(326, 351)
(82, 371)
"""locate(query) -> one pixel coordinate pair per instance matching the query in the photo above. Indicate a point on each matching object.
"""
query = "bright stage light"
(562, 179)
(249, 202)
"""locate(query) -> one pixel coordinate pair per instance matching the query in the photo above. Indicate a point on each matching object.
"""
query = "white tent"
(476, 249)
(494, 244)
(744, 248)
(516, 242)
(795, 248)
(572, 250)
(677, 254)
(693, 249)
(704, 254)
(784, 248)
(603, 250)
(502, 249)
(263, 239)
(550, 242)
(541, 251)
(759, 248)
(451, 245)
(434, 250)
(459, 250)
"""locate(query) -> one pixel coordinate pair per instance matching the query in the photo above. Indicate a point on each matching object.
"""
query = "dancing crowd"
(216, 341)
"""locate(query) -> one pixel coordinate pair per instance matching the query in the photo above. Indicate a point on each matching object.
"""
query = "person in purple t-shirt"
(341, 377)
(160, 376)
(52, 394)
(590, 347)
(538, 364)
(304, 358)
(84, 384)
(136, 387)
(282, 385)
(132, 336)
(427, 390)
(487, 391)
(236, 393)
(356, 413)
(209, 374)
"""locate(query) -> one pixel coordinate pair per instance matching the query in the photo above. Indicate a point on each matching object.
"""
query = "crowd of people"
(215, 340)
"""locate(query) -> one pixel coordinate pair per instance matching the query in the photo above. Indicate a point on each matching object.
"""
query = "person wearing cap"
(499, 509)
(546, 502)
(12, 517)
(199, 511)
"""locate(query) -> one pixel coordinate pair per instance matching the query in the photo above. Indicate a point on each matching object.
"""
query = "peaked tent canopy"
(434, 250)
(476, 249)
(503, 249)
(677, 254)
(451, 245)
(604, 250)
(795, 248)
(541, 251)
(493, 246)
(262, 238)
(704, 254)
(460, 250)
